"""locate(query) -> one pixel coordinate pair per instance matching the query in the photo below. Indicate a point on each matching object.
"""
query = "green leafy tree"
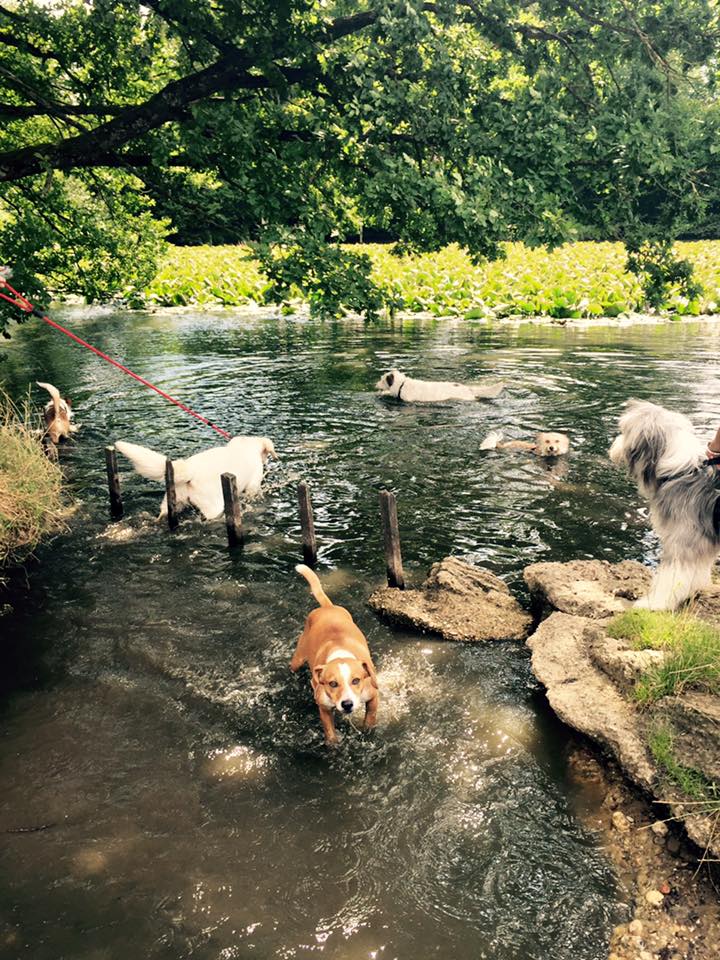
(308, 123)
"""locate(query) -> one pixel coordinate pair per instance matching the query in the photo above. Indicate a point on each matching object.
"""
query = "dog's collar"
(399, 393)
(709, 462)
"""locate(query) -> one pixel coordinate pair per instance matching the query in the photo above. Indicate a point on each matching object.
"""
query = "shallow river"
(150, 723)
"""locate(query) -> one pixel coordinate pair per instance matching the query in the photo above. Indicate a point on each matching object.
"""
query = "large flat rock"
(583, 696)
(587, 588)
(570, 659)
(458, 601)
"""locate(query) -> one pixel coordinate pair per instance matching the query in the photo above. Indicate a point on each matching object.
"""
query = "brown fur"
(331, 630)
(57, 414)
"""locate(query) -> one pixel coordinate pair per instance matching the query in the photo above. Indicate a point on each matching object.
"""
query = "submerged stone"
(458, 601)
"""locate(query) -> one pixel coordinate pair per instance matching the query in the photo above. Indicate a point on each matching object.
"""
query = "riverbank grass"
(692, 652)
(31, 503)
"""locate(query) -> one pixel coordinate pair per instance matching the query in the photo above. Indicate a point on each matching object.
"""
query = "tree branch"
(230, 72)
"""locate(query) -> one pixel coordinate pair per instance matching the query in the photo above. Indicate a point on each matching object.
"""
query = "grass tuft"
(31, 503)
(692, 782)
(692, 646)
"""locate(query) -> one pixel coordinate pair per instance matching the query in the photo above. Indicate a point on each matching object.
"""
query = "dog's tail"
(54, 393)
(492, 440)
(488, 391)
(150, 464)
(315, 586)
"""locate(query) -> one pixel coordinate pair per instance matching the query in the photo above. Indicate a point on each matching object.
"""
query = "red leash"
(18, 300)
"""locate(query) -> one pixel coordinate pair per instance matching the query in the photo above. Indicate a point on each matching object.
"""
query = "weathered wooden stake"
(308, 525)
(113, 477)
(233, 516)
(391, 536)
(172, 514)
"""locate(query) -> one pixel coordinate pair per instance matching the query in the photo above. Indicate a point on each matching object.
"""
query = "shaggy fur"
(664, 456)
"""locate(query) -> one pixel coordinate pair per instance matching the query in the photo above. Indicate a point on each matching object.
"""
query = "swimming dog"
(342, 674)
(57, 415)
(197, 479)
(546, 444)
(398, 385)
(668, 462)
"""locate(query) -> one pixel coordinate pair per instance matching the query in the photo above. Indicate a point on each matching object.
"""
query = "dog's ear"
(317, 674)
(370, 671)
(390, 378)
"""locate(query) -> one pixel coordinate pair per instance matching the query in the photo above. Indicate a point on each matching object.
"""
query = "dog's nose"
(347, 706)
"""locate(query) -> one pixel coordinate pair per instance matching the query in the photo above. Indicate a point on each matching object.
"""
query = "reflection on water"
(151, 724)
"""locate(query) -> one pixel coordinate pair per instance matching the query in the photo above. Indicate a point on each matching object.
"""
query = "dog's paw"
(492, 440)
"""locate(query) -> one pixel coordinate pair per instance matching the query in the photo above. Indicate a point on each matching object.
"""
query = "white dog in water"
(398, 385)
(197, 479)
(667, 460)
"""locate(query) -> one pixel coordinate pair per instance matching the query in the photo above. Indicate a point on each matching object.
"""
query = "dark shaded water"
(149, 717)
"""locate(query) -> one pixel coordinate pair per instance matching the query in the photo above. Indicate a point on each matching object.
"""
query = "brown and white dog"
(57, 415)
(546, 444)
(341, 669)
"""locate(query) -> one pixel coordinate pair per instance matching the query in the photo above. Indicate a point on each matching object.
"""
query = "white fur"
(665, 458)
(398, 385)
(347, 691)
(197, 478)
(492, 440)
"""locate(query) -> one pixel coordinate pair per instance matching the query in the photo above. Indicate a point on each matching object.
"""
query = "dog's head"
(654, 444)
(267, 449)
(393, 378)
(551, 444)
(344, 684)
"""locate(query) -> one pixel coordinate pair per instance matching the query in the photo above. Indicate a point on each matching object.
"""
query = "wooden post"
(308, 525)
(391, 536)
(172, 514)
(116, 504)
(233, 516)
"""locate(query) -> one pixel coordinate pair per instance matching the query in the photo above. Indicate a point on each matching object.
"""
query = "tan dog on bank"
(57, 415)
(341, 670)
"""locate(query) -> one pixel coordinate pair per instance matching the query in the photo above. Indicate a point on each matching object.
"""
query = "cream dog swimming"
(398, 385)
(197, 479)
(545, 445)
(342, 674)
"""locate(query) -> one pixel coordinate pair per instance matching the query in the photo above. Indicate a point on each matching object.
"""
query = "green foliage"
(31, 503)
(98, 241)
(427, 124)
(692, 652)
(660, 270)
(691, 782)
(331, 279)
(575, 280)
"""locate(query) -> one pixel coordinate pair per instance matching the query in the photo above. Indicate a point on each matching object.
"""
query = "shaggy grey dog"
(666, 459)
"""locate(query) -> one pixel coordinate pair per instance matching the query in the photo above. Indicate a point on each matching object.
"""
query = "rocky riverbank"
(662, 838)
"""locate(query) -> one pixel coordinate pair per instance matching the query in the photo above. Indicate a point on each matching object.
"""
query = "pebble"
(654, 897)
(659, 828)
(636, 928)
(620, 821)
(646, 955)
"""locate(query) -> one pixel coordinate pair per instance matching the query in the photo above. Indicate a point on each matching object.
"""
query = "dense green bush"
(575, 280)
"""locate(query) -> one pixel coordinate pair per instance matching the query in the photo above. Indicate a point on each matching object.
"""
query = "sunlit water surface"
(150, 722)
